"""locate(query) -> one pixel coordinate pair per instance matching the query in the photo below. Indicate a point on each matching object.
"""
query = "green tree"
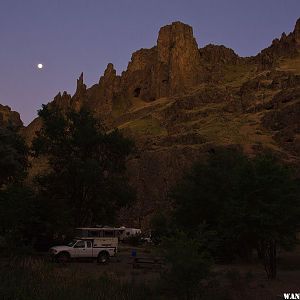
(13, 156)
(18, 210)
(19, 215)
(274, 216)
(248, 204)
(160, 226)
(85, 183)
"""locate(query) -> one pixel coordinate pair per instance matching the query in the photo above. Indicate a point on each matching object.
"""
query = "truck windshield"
(71, 244)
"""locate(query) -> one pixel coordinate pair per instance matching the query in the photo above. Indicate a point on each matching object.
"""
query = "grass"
(238, 74)
(119, 106)
(35, 279)
(223, 130)
(145, 126)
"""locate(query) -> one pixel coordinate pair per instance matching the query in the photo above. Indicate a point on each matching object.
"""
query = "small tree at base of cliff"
(85, 183)
(19, 217)
(18, 208)
(249, 204)
(13, 156)
(275, 211)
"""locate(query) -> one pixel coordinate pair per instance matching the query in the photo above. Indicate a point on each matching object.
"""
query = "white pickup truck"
(97, 248)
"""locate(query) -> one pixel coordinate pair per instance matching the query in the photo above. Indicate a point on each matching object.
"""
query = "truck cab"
(100, 249)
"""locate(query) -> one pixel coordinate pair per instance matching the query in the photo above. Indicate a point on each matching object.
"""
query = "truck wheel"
(63, 257)
(103, 257)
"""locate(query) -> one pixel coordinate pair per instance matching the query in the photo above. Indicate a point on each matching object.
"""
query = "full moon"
(40, 66)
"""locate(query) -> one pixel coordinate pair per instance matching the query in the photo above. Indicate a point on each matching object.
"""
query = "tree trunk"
(273, 259)
(268, 250)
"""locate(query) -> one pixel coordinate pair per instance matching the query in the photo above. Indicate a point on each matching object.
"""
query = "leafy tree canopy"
(13, 156)
(248, 203)
(85, 183)
(19, 215)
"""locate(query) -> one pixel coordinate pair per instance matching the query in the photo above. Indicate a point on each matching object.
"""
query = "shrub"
(187, 263)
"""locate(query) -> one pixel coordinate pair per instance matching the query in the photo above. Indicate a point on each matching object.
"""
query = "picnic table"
(148, 262)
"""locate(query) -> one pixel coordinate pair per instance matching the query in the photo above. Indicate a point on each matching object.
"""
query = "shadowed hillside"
(180, 102)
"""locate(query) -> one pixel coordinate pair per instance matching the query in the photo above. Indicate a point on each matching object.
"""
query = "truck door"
(83, 249)
(89, 249)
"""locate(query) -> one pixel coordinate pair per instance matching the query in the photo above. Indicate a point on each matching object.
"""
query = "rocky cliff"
(9, 117)
(180, 102)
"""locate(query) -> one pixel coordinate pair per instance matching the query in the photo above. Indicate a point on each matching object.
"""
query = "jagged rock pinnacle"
(297, 32)
(81, 87)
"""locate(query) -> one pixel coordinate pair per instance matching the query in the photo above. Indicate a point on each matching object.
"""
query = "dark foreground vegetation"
(236, 205)
(84, 182)
(35, 279)
(228, 208)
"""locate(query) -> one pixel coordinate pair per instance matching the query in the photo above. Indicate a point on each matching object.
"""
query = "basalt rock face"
(62, 101)
(286, 46)
(9, 117)
(180, 103)
(178, 56)
(284, 119)
(101, 96)
(296, 33)
(214, 54)
(139, 80)
(170, 68)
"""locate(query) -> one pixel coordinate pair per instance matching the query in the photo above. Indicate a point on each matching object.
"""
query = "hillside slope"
(180, 102)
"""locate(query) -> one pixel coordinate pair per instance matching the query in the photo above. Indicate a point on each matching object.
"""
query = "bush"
(188, 264)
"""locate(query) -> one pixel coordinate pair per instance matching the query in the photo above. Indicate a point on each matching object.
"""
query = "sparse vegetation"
(145, 126)
(35, 279)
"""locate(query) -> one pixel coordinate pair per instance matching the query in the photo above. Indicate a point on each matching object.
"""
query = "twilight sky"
(71, 36)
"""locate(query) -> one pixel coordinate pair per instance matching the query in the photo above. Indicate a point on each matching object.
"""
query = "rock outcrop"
(62, 101)
(9, 117)
(170, 68)
(178, 55)
(297, 33)
(215, 54)
(286, 46)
